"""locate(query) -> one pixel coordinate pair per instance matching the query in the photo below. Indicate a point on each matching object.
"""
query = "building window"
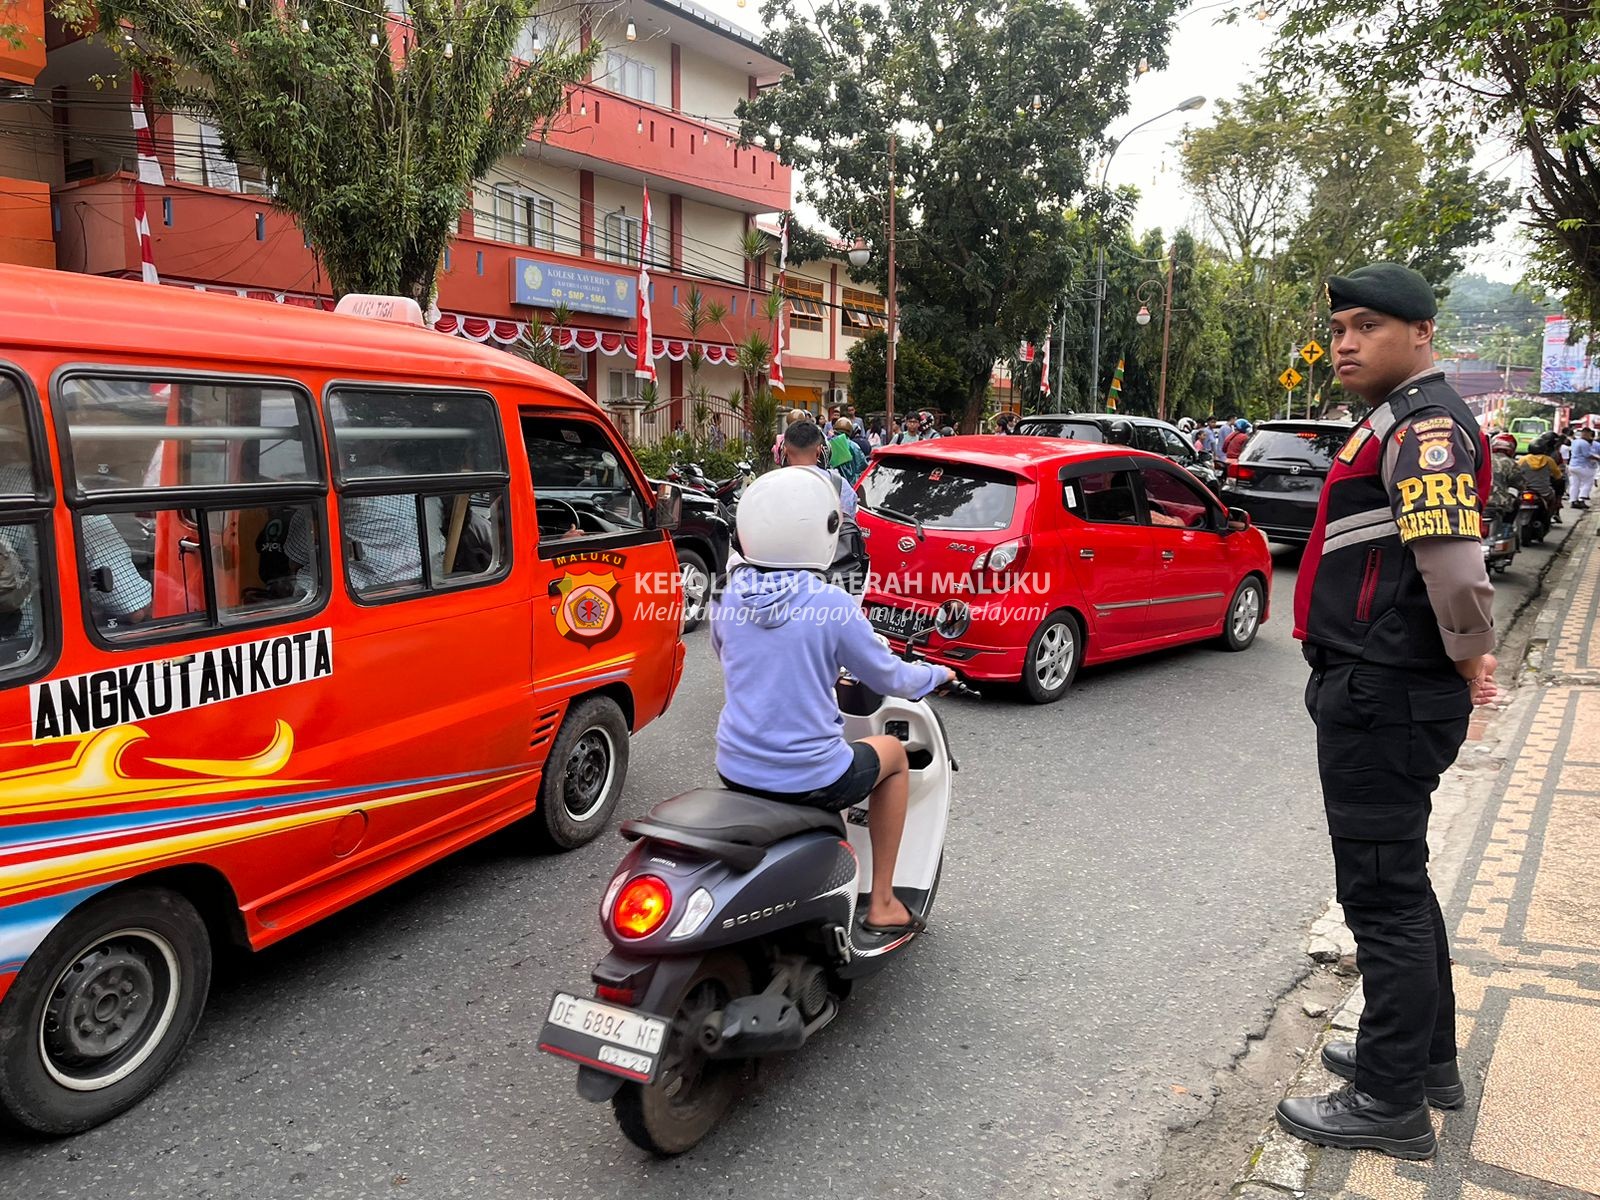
(630, 77)
(623, 387)
(861, 313)
(805, 303)
(218, 170)
(621, 242)
(526, 218)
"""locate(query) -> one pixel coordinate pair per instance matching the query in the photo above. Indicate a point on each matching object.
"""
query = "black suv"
(702, 540)
(1148, 434)
(1278, 478)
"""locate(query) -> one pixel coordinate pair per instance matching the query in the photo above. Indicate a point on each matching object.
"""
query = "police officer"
(1396, 611)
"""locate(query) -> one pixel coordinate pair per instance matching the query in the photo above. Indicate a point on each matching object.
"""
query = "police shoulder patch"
(1352, 447)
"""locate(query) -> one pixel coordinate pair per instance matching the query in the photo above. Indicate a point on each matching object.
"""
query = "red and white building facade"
(559, 221)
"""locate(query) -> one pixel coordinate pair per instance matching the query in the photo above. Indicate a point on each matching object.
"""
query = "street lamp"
(1144, 294)
(859, 256)
(1189, 105)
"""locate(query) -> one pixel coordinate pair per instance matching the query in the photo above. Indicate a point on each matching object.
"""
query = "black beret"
(1386, 288)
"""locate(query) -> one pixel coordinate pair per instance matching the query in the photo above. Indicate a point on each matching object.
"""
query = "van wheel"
(1054, 652)
(1243, 622)
(102, 1010)
(583, 775)
(696, 588)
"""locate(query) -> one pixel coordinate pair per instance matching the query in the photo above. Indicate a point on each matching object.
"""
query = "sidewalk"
(1527, 955)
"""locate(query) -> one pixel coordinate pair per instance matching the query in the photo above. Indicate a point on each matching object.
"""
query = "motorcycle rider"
(1541, 473)
(1500, 505)
(782, 635)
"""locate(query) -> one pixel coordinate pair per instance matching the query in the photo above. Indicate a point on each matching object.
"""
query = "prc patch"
(1352, 447)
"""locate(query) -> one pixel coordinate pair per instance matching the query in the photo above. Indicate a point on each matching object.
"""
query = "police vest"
(1359, 591)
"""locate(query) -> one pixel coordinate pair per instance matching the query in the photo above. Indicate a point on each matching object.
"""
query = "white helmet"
(789, 518)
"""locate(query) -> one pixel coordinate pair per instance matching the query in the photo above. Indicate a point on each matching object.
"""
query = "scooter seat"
(740, 818)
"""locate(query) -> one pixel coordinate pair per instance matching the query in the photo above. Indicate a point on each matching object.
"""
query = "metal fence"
(649, 427)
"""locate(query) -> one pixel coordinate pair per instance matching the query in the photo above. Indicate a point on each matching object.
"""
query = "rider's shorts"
(850, 789)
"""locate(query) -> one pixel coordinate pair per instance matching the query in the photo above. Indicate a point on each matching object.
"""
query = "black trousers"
(1384, 736)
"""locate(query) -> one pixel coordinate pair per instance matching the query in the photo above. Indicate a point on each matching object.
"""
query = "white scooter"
(737, 927)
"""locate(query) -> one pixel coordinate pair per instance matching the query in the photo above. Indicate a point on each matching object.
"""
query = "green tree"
(1526, 71)
(994, 109)
(925, 376)
(373, 149)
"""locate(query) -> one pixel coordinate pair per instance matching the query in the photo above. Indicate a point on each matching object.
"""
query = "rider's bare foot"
(887, 913)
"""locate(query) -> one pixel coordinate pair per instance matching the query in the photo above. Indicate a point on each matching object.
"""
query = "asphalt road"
(1128, 877)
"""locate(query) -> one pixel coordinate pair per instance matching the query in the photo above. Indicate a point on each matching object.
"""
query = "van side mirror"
(669, 507)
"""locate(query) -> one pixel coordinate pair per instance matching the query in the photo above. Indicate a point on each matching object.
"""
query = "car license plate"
(896, 622)
(606, 1037)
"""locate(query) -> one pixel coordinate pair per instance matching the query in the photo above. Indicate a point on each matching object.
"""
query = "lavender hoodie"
(781, 637)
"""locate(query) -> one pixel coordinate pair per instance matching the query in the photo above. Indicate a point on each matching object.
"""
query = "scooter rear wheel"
(692, 1092)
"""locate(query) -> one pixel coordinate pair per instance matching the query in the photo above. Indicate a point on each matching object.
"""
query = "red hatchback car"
(1065, 552)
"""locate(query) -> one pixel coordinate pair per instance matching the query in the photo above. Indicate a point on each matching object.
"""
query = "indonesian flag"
(775, 371)
(644, 366)
(1025, 352)
(149, 172)
(1044, 371)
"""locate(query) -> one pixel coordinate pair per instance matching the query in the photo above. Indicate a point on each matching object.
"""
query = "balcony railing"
(643, 138)
(239, 240)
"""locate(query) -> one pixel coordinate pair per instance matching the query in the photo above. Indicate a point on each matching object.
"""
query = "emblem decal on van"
(588, 612)
(137, 691)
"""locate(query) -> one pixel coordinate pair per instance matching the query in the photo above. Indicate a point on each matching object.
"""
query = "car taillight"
(642, 906)
(1004, 557)
(1235, 471)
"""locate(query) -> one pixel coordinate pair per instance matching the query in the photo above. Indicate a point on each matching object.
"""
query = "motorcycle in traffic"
(737, 927)
(1533, 517)
(1501, 538)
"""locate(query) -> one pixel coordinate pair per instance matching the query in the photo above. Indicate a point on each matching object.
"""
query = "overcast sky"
(1213, 61)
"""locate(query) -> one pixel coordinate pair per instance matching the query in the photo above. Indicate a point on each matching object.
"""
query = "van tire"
(583, 776)
(696, 577)
(1058, 635)
(64, 1076)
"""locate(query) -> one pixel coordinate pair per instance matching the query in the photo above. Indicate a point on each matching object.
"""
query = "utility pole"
(888, 385)
(1166, 336)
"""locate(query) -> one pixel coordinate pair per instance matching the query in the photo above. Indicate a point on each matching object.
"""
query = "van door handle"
(1168, 555)
(1085, 553)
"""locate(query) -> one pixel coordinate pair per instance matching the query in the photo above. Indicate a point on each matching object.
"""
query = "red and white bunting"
(644, 363)
(775, 371)
(1044, 371)
(149, 172)
(1025, 352)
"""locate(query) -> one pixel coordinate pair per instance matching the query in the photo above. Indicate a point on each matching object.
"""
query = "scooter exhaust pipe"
(753, 1026)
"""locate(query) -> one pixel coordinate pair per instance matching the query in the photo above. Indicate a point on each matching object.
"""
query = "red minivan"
(1066, 552)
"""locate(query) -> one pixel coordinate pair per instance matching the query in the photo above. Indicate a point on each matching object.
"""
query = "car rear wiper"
(904, 520)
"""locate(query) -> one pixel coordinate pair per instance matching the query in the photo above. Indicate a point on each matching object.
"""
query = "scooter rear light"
(616, 995)
(642, 906)
(694, 915)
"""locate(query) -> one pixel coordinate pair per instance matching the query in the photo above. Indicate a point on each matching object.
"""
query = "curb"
(1281, 1165)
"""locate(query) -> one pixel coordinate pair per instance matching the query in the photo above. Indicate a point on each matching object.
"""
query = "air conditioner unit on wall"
(834, 395)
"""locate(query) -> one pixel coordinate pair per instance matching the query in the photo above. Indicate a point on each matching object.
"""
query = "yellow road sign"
(1291, 379)
(1311, 351)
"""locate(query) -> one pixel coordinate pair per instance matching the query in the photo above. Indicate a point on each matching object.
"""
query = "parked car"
(702, 540)
(1066, 552)
(1279, 474)
(1156, 437)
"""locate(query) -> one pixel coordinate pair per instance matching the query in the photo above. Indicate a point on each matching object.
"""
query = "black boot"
(1443, 1080)
(1353, 1120)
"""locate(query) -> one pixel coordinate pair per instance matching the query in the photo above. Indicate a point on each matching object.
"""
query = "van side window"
(177, 484)
(423, 501)
(1105, 498)
(580, 483)
(24, 539)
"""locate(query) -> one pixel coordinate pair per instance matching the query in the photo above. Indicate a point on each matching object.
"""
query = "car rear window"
(940, 494)
(1310, 447)
(1081, 431)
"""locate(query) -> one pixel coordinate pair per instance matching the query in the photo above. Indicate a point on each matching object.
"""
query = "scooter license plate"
(606, 1037)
